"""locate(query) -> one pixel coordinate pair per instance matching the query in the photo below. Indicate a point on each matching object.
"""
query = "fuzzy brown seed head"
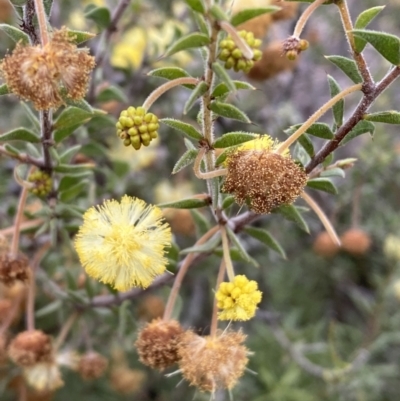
(288, 10)
(13, 268)
(39, 74)
(125, 380)
(272, 63)
(211, 363)
(151, 307)
(30, 348)
(356, 241)
(92, 365)
(157, 343)
(262, 179)
(325, 246)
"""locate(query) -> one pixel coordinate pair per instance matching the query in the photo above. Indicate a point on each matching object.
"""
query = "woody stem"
(209, 174)
(227, 254)
(214, 319)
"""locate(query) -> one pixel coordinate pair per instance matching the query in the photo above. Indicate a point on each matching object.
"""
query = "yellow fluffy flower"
(123, 244)
(238, 299)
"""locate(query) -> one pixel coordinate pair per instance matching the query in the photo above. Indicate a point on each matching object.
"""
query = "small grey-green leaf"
(228, 201)
(237, 243)
(191, 41)
(185, 128)
(222, 88)
(112, 93)
(15, 34)
(190, 203)
(72, 116)
(201, 221)
(74, 169)
(250, 13)
(229, 111)
(362, 21)
(218, 13)
(100, 15)
(320, 130)
(348, 66)
(233, 138)
(338, 108)
(20, 134)
(201, 23)
(209, 246)
(4, 90)
(266, 238)
(79, 37)
(197, 92)
(333, 172)
(291, 213)
(307, 144)
(361, 127)
(196, 5)
(49, 308)
(185, 160)
(388, 117)
(322, 184)
(386, 44)
(48, 6)
(224, 76)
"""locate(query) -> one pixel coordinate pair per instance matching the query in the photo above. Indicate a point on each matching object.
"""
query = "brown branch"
(27, 25)
(370, 95)
(22, 157)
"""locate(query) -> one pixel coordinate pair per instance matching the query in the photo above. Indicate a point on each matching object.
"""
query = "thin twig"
(214, 319)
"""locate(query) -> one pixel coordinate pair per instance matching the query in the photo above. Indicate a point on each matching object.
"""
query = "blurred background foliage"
(331, 304)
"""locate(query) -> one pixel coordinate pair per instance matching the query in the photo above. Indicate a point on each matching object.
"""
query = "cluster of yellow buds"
(233, 56)
(136, 127)
(41, 181)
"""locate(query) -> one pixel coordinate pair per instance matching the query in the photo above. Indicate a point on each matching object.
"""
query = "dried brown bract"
(13, 268)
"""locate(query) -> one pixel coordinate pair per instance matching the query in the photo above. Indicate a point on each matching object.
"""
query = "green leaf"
(362, 127)
(73, 191)
(338, 108)
(222, 88)
(201, 222)
(320, 130)
(208, 246)
(250, 13)
(80, 104)
(197, 92)
(33, 118)
(74, 169)
(70, 181)
(196, 5)
(386, 44)
(229, 111)
(223, 75)
(388, 117)
(171, 73)
(312, 1)
(48, 5)
(222, 157)
(100, 15)
(307, 144)
(237, 243)
(189, 145)
(112, 93)
(322, 184)
(20, 134)
(266, 238)
(228, 201)
(348, 66)
(79, 37)
(291, 213)
(15, 34)
(193, 203)
(218, 13)
(233, 138)
(333, 172)
(70, 117)
(4, 90)
(185, 128)
(191, 41)
(185, 160)
(201, 23)
(48, 309)
(362, 21)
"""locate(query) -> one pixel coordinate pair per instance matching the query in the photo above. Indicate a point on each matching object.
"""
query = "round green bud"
(140, 111)
(145, 138)
(124, 113)
(136, 142)
(118, 125)
(127, 142)
(133, 131)
(153, 134)
(225, 53)
(223, 43)
(148, 117)
(237, 53)
(152, 127)
(131, 111)
(138, 120)
(240, 65)
(257, 54)
(143, 129)
(257, 43)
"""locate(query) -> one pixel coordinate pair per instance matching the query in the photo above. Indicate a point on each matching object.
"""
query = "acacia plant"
(124, 243)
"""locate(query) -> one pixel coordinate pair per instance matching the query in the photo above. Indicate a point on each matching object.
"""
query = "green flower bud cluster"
(136, 127)
(42, 183)
(233, 56)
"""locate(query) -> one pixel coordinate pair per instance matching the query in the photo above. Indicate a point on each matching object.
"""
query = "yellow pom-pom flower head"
(238, 299)
(123, 243)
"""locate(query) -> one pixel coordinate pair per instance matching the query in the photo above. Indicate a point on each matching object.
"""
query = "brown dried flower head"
(39, 74)
(273, 62)
(30, 348)
(125, 380)
(157, 343)
(92, 365)
(325, 246)
(261, 178)
(212, 362)
(293, 46)
(13, 268)
(356, 241)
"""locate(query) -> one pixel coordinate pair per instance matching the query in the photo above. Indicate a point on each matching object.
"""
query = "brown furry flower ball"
(356, 241)
(13, 268)
(92, 365)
